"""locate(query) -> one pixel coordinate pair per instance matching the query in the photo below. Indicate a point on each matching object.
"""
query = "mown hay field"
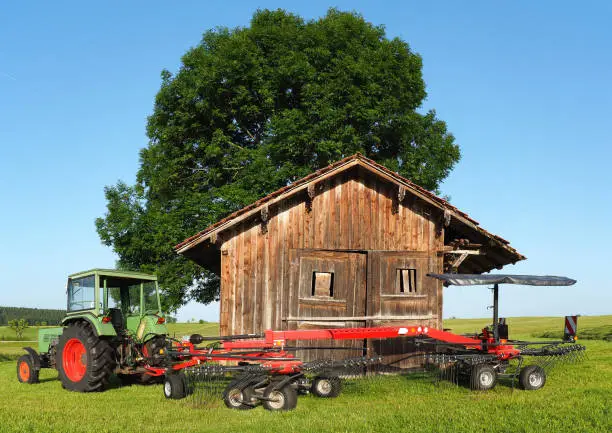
(576, 398)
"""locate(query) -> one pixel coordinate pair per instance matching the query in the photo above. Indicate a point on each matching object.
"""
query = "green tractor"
(114, 325)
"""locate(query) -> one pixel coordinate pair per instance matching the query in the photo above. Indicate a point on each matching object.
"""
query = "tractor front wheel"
(84, 361)
(483, 377)
(532, 377)
(26, 373)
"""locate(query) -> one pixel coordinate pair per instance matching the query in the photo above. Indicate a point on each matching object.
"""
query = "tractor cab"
(116, 302)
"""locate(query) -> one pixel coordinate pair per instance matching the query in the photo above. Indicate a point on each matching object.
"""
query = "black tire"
(239, 398)
(326, 386)
(532, 377)
(284, 398)
(240, 393)
(98, 359)
(175, 386)
(26, 372)
(483, 377)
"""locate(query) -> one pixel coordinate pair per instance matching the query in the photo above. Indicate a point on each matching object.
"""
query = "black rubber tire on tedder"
(483, 377)
(532, 377)
(284, 398)
(240, 393)
(326, 386)
(84, 361)
(26, 372)
(175, 386)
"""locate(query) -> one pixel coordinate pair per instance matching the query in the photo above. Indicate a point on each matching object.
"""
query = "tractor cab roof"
(114, 273)
(527, 280)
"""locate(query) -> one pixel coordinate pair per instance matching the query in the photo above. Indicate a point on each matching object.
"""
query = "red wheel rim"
(24, 371)
(74, 360)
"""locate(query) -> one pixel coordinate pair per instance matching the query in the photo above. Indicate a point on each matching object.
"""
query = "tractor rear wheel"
(26, 373)
(326, 386)
(84, 361)
(532, 377)
(483, 377)
(284, 398)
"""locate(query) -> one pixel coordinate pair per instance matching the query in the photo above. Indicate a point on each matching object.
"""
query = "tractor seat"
(117, 319)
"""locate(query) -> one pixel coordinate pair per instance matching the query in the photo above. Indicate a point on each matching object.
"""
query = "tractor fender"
(34, 356)
(99, 329)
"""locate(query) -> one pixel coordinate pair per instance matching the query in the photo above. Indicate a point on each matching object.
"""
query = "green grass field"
(576, 398)
(7, 334)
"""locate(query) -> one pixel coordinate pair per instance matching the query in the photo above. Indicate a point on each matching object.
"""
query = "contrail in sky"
(8, 76)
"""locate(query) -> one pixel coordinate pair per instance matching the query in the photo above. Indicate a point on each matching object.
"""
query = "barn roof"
(504, 254)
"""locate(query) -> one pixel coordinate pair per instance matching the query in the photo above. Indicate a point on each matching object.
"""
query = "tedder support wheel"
(84, 361)
(532, 377)
(240, 393)
(326, 386)
(284, 398)
(483, 377)
(26, 373)
(175, 386)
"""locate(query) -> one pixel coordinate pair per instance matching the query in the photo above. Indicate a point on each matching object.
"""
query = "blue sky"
(525, 88)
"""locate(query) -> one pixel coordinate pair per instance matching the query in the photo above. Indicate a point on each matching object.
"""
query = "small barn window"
(323, 284)
(406, 281)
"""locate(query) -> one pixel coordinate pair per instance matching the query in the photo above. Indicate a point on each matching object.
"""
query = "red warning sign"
(570, 325)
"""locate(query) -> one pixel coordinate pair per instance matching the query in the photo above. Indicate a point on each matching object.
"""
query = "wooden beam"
(457, 262)
(469, 252)
(265, 216)
(446, 218)
(357, 318)
(401, 193)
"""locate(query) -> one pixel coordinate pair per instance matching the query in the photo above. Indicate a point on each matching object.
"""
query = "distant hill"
(32, 315)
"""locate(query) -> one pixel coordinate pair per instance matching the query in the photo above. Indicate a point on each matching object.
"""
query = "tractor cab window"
(134, 298)
(114, 297)
(150, 297)
(125, 295)
(149, 300)
(82, 293)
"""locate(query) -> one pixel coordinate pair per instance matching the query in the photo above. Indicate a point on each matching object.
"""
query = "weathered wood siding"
(353, 211)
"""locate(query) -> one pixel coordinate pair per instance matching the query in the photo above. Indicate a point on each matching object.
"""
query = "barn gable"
(460, 231)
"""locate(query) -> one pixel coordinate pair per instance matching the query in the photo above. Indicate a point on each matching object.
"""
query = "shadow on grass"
(49, 379)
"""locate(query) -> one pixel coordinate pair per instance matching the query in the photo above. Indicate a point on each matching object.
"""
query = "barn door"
(401, 293)
(327, 289)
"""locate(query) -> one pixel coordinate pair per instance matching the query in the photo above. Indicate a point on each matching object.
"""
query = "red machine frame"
(269, 350)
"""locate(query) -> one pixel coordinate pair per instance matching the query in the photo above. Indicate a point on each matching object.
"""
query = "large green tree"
(254, 108)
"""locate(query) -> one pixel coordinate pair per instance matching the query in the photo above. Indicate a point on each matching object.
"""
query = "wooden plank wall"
(352, 211)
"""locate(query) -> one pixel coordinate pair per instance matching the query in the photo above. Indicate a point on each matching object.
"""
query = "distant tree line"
(34, 316)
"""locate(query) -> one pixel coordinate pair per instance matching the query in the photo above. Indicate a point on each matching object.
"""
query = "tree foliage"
(254, 108)
(32, 315)
(18, 325)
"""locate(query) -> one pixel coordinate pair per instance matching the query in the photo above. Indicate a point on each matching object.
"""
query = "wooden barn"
(347, 246)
